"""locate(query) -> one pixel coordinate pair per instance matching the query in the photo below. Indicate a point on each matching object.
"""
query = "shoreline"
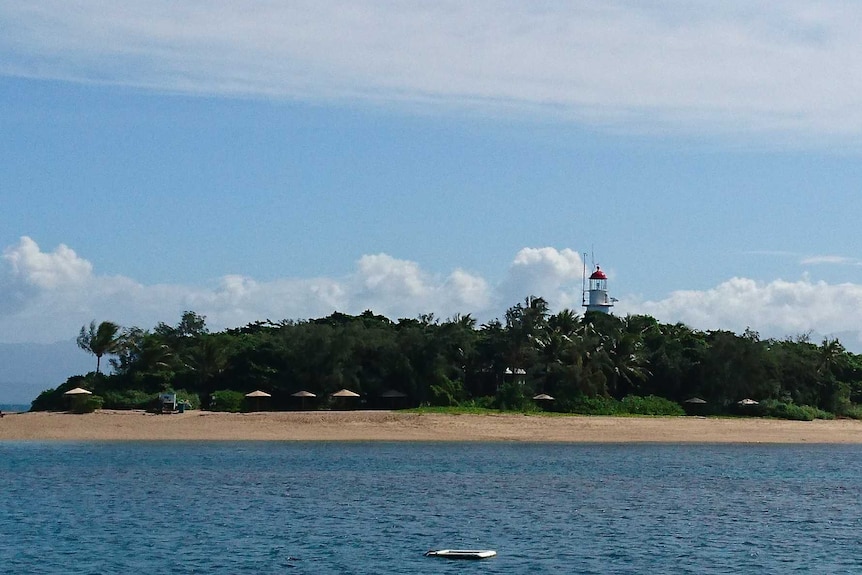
(114, 425)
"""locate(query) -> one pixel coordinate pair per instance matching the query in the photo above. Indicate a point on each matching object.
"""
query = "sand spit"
(110, 425)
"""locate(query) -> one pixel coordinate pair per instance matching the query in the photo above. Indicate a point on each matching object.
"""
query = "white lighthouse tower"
(599, 300)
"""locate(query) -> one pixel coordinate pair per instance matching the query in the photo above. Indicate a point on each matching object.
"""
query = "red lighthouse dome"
(598, 274)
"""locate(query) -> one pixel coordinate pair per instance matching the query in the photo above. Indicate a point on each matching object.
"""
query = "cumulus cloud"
(776, 309)
(46, 270)
(57, 292)
(729, 67)
(555, 275)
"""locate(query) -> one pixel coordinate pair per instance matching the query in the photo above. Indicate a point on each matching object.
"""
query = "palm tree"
(628, 361)
(208, 359)
(833, 357)
(833, 360)
(99, 340)
(524, 325)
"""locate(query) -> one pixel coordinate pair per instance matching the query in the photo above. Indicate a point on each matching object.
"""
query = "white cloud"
(382, 282)
(730, 67)
(830, 259)
(46, 270)
(55, 293)
(54, 307)
(776, 309)
(555, 275)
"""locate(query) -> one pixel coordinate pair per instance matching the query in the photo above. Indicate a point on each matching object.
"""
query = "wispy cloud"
(831, 260)
(47, 296)
(805, 260)
(778, 68)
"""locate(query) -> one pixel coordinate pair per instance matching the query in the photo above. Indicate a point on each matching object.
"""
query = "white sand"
(399, 426)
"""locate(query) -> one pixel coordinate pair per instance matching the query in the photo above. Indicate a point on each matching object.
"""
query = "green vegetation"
(99, 340)
(592, 364)
(227, 400)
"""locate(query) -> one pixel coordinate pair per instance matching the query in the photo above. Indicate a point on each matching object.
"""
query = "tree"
(99, 340)
(524, 324)
(629, 364)
(190, 325)
(834, 361)
(208, 358)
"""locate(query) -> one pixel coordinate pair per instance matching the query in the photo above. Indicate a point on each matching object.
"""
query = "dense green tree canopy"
(577, 359)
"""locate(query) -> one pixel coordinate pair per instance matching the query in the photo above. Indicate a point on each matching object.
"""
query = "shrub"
(55, 400)
(854, 412)
(48, 400)
(87, 404)
(227, 400)
(512, 397)
(650, 405)
(794, 412)
(446, 392)
(129, 399)
(484, 402)
(790, 411)
(629, 405)
(593, 406)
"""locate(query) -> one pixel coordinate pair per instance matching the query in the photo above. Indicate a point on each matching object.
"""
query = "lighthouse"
(598, 298)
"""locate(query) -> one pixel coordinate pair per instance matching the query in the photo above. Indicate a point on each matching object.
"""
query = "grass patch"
(457, 410)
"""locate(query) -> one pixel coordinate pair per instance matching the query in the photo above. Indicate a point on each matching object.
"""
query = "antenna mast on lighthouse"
(584, 282)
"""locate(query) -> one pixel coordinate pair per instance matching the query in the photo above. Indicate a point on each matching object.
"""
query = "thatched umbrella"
(392, 397)
(344, 394)
(747, 406)
(694, 406)
(76, 398)
(303, 395)
(257, 395)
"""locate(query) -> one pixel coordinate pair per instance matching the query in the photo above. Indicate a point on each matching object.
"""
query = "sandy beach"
(109, 425)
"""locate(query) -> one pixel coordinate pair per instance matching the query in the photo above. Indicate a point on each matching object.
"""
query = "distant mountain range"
(27, 369)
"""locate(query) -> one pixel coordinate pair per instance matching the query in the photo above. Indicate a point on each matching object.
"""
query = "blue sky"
(286, 160)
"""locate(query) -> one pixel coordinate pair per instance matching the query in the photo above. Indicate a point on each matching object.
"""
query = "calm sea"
(10, 407)
(320, 508)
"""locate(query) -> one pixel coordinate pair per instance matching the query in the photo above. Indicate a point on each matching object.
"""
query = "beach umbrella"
(256, 395)
(76, 397)
(393, 397)
(344, 394)
(303, 395)
(543, 397)
(694, 406)
(746, 401)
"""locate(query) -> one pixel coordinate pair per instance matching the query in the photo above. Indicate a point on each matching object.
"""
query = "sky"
(285, 160)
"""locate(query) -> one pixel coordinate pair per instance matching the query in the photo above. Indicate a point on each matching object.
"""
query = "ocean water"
(11, 407)
(279, 507)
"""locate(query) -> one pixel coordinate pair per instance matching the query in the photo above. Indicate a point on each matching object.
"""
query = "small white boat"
(462, 553)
